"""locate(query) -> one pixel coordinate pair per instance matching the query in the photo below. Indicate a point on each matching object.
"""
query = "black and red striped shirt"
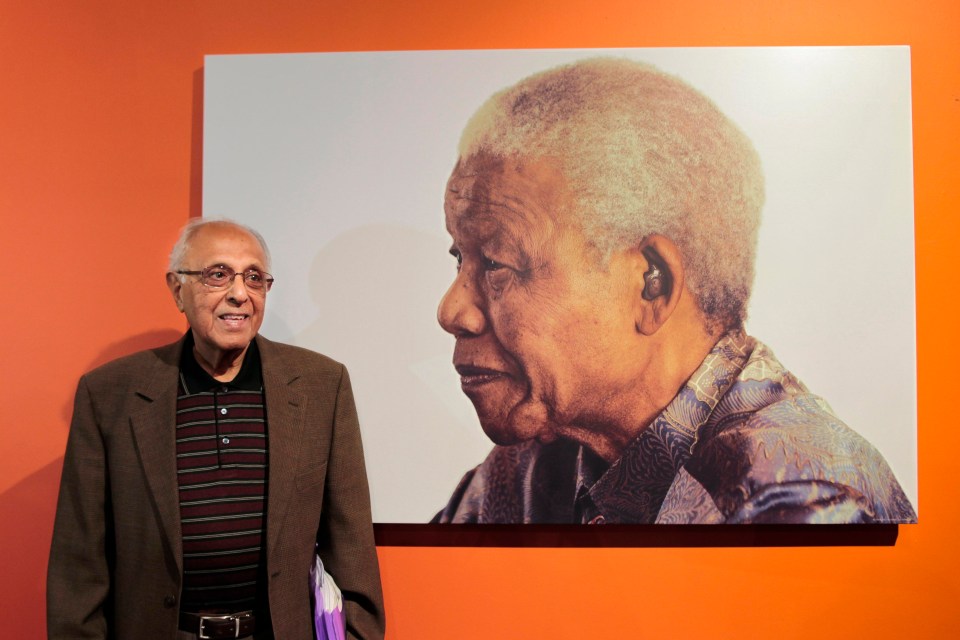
(222, 475)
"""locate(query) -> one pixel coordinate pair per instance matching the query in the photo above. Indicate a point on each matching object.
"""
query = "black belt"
(217, 625)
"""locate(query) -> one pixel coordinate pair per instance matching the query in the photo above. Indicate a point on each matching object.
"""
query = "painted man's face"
(537, 315)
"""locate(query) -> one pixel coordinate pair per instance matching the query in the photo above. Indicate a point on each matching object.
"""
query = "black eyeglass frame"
(266, 280)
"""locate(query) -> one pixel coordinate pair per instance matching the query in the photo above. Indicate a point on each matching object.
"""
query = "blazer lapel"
(153, 421)
(285, 417)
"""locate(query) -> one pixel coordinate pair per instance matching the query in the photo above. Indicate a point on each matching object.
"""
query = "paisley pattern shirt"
(743, 441)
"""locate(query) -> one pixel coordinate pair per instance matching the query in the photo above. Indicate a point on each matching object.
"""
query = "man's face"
(222, 320)
(540, 322)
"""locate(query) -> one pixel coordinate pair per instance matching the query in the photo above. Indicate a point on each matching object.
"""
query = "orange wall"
(99, 166)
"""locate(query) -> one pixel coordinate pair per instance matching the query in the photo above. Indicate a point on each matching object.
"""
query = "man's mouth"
(233, 318)
(472, 376)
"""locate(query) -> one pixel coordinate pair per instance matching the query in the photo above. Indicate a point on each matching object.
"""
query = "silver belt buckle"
(236, 623)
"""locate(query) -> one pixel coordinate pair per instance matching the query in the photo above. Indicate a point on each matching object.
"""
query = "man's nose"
(237, 289)
(461, 308)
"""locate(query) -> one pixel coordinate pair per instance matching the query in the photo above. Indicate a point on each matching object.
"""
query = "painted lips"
(473, 376)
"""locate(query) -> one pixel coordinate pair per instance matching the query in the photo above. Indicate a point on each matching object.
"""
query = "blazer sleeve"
(78, 574)
(345, 539)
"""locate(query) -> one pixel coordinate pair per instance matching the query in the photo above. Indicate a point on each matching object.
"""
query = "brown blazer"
(116, 561)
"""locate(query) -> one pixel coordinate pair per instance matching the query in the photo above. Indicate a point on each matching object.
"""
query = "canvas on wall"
(342, 161)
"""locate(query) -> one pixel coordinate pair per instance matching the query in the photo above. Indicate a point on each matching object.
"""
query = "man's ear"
(663, 279)
(176, 286)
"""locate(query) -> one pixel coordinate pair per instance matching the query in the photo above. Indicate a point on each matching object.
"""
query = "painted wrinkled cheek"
(499, 280)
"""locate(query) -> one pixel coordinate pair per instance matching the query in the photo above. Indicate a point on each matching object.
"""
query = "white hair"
(642, 152)
(189, 230)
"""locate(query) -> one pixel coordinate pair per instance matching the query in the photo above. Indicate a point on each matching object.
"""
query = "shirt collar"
(196, 380)
(632, 489)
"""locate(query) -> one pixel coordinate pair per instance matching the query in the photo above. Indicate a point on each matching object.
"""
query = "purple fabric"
(330, 625)
(328, 620)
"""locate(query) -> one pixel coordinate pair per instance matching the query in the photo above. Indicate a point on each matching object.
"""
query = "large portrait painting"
(594, 286)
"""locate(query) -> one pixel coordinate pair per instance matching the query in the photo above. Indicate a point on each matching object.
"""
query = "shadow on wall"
(26, 511)
(376, 288)
(124, 347)
(139, 342)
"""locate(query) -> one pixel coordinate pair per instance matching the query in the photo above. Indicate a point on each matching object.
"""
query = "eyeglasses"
(221, 276)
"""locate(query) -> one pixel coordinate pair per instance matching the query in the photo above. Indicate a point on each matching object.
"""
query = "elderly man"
(604, 219)
(200, 477)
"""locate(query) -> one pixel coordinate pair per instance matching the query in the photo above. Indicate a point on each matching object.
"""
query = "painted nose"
(461, 309)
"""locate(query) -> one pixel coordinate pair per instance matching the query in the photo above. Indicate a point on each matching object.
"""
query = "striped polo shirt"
(222, 475)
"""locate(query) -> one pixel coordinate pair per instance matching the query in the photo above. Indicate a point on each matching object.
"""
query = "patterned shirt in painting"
(743, 441)
(221, 469)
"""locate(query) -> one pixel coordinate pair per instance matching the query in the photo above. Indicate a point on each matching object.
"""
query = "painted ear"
(662, 283)
(175, 286)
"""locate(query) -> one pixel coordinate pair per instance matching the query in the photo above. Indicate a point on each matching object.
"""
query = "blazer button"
(169, 601)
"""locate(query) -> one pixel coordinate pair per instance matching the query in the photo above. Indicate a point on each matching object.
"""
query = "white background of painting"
(340, 160)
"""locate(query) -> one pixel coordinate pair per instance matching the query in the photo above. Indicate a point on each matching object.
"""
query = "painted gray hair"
(642, 152)
(189, 230)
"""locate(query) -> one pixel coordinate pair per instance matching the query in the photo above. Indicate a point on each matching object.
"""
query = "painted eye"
(498, 275)
(492, 265)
